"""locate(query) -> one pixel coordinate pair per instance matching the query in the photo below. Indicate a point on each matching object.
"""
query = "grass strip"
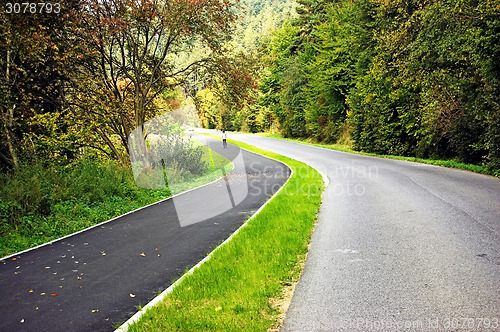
(242, 285)
(437, 162)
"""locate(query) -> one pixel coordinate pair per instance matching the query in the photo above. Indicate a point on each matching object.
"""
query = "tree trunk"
(9, 121)
(111, 146)
(140, 139)
(9, 117)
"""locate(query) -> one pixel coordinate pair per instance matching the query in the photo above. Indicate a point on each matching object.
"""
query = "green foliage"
(35, 65)
(178, 153)
(283, 88)
(42, 202)
(410, 78)
(430, 57)
(210, 109)
(232, 102)
(35, 189)
(260, 19)
(90, 75)
(343, 46)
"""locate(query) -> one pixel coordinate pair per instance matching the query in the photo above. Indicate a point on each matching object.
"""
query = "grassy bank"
(437, 162)
(242, 285)
(44, 202)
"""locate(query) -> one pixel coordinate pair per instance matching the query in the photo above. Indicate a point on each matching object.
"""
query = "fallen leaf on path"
(53, 294)
(22, 320)
(42, 293)
(132, 295)
(97, 310)
(143, 255)
(31, 291)
(47, 267)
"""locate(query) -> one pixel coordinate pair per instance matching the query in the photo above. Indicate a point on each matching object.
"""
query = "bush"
(178, 153)
(37, 189)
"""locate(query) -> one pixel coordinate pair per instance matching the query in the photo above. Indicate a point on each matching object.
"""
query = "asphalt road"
(399, 246)
(93, 281)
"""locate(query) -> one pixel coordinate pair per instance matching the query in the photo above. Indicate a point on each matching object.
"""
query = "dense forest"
(85, 77)
(412, 78)
(404, 77)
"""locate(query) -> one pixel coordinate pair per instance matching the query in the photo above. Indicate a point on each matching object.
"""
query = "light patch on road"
(346, 251)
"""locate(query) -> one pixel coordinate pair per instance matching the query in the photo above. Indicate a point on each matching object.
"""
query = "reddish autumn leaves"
(99, 65)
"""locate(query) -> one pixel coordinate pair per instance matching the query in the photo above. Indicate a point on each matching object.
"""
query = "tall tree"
(33, 68)
(344, 45)
(135, 50)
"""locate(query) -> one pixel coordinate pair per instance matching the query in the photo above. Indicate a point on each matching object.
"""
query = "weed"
(43, 202)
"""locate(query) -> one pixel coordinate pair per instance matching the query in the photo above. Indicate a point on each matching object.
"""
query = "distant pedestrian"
(224, 137)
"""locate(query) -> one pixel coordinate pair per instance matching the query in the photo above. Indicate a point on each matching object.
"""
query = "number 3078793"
(32, 7)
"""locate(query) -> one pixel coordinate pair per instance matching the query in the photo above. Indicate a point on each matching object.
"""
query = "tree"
(344, 45)
(33, 69)
(283, 88)
(135, 50)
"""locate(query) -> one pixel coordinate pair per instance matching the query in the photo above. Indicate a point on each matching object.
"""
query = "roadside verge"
(243, 283)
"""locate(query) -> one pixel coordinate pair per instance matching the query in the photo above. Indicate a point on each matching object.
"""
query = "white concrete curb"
(124, 327)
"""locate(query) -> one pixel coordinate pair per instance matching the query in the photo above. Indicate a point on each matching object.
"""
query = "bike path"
(96, 279)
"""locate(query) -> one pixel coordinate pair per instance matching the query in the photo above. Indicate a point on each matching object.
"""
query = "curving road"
(399, 246)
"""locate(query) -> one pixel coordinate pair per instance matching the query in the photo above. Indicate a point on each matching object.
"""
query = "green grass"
(437, 162)
(44, 202)
(239, 286)
(41, 203)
